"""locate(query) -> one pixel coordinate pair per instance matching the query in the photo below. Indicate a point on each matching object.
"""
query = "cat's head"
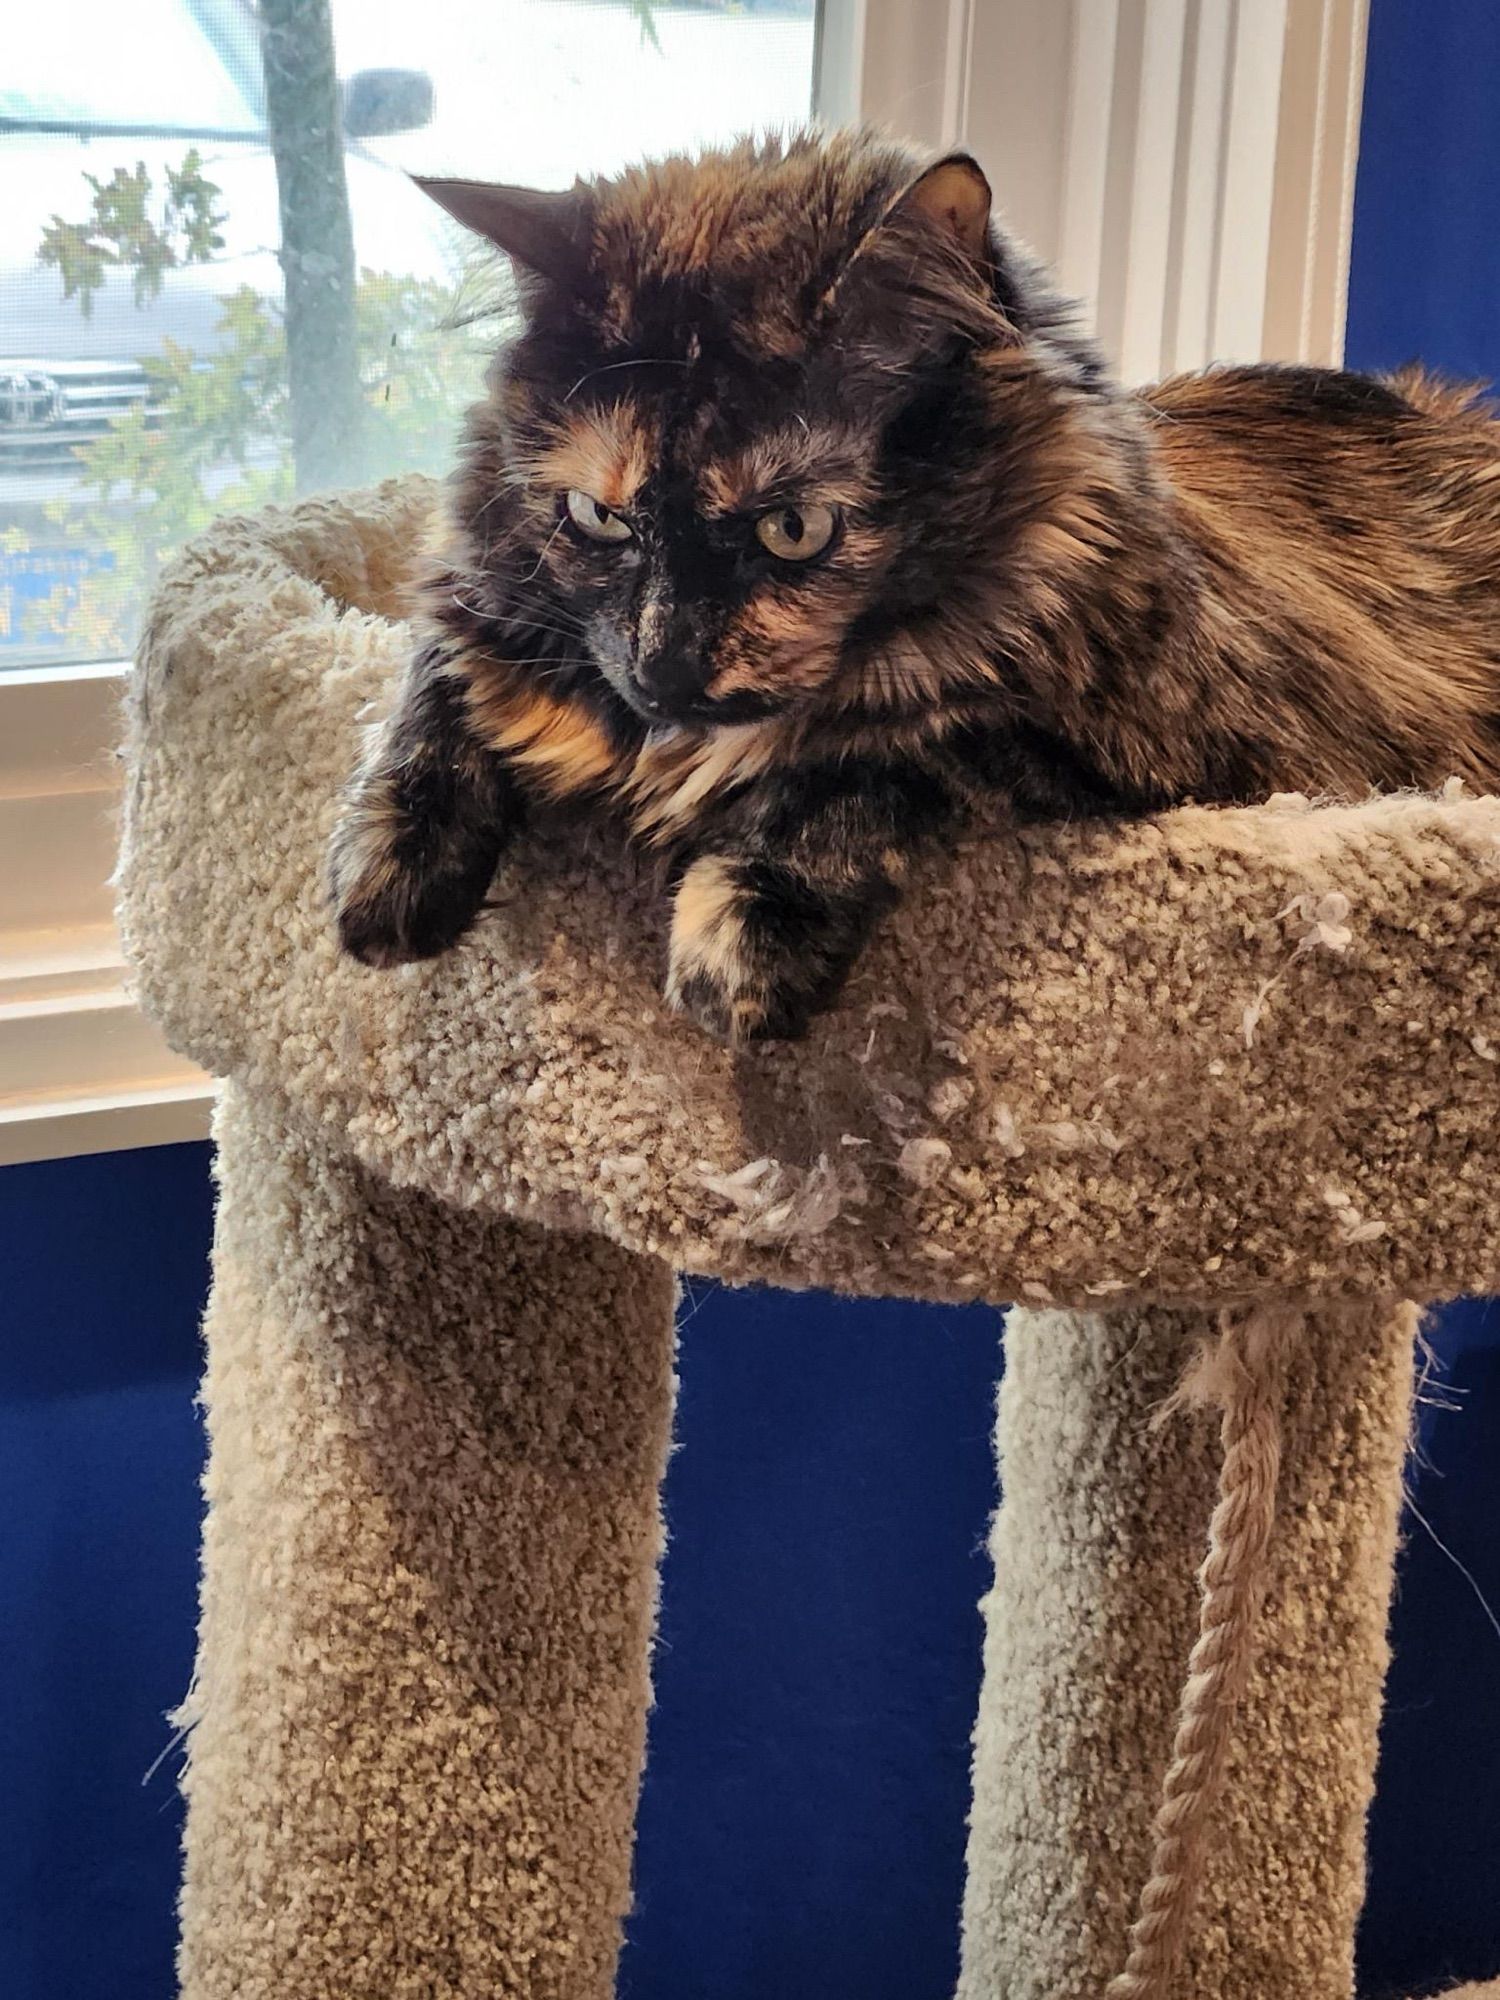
(736, 459)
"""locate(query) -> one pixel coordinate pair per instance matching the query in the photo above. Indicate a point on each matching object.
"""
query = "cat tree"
(1222, 1084)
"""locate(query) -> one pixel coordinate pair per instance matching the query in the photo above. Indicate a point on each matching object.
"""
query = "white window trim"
(1188, 166)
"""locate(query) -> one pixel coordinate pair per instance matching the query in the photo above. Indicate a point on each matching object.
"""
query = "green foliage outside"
(122, 231)
(214, 434)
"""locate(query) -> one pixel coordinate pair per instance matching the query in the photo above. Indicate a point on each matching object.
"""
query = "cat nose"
(668, 677)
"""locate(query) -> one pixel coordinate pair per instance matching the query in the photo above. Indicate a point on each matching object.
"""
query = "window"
(148, 367)
(148, 359)
(96, 69)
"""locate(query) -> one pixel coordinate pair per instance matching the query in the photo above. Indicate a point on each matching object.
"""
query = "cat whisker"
(543, 618)
(525, 631)
(512, 603)
(522, 616)
(609, 367)
(510, 613)
(515, 589)
(536, 567)
(554, 669)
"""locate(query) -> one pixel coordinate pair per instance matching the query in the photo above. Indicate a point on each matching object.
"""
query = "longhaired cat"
(799, 514)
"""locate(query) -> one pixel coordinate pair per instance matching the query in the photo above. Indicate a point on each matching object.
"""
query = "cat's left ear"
(952, 198)
(946, 206)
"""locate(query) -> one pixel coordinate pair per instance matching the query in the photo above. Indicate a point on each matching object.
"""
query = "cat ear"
(948, 205)
(543, 230)
(951, 197)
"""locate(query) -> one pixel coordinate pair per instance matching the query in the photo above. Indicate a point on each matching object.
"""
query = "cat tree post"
(1223, 1063)
(1092, 1615)
(436, 1440)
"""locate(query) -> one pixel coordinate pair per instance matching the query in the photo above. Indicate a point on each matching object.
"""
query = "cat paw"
(381, 927)
(392, 910)
(721, 970)
(739, 1017)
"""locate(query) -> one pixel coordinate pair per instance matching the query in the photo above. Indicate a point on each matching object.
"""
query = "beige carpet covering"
(429, 1569)
(1210, 1060)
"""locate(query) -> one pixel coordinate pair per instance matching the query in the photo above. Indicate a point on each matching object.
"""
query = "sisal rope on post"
(1243, 1372)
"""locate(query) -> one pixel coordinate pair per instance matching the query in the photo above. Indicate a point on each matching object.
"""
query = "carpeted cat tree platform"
(1219, 1085)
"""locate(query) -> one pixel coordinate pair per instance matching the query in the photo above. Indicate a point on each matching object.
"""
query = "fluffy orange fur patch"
(558, 742)
(675, 776)
(800, 462)
(606, 452)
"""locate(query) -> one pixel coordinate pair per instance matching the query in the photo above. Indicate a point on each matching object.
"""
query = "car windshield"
(154, 66)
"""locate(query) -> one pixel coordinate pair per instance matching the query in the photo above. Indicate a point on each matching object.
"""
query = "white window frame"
(1187, 165)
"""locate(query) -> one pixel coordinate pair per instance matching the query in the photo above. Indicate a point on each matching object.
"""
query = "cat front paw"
(401, 890)
(736, 1016)
(726, 968)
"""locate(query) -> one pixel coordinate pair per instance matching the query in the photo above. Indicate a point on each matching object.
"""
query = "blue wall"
(104, 1264)
(802, 1826)
(1425, 284)
(1433, 1911)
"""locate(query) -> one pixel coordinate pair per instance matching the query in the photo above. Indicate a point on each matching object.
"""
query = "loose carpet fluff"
(1206, 1064)
(800, 521)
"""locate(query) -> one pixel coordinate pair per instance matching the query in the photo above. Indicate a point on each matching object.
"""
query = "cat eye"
(592, 518)
(797, 534)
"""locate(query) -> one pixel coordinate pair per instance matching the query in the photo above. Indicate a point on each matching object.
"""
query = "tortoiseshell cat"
(799, 515)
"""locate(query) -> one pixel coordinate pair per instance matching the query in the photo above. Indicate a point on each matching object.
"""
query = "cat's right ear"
(543, 230)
